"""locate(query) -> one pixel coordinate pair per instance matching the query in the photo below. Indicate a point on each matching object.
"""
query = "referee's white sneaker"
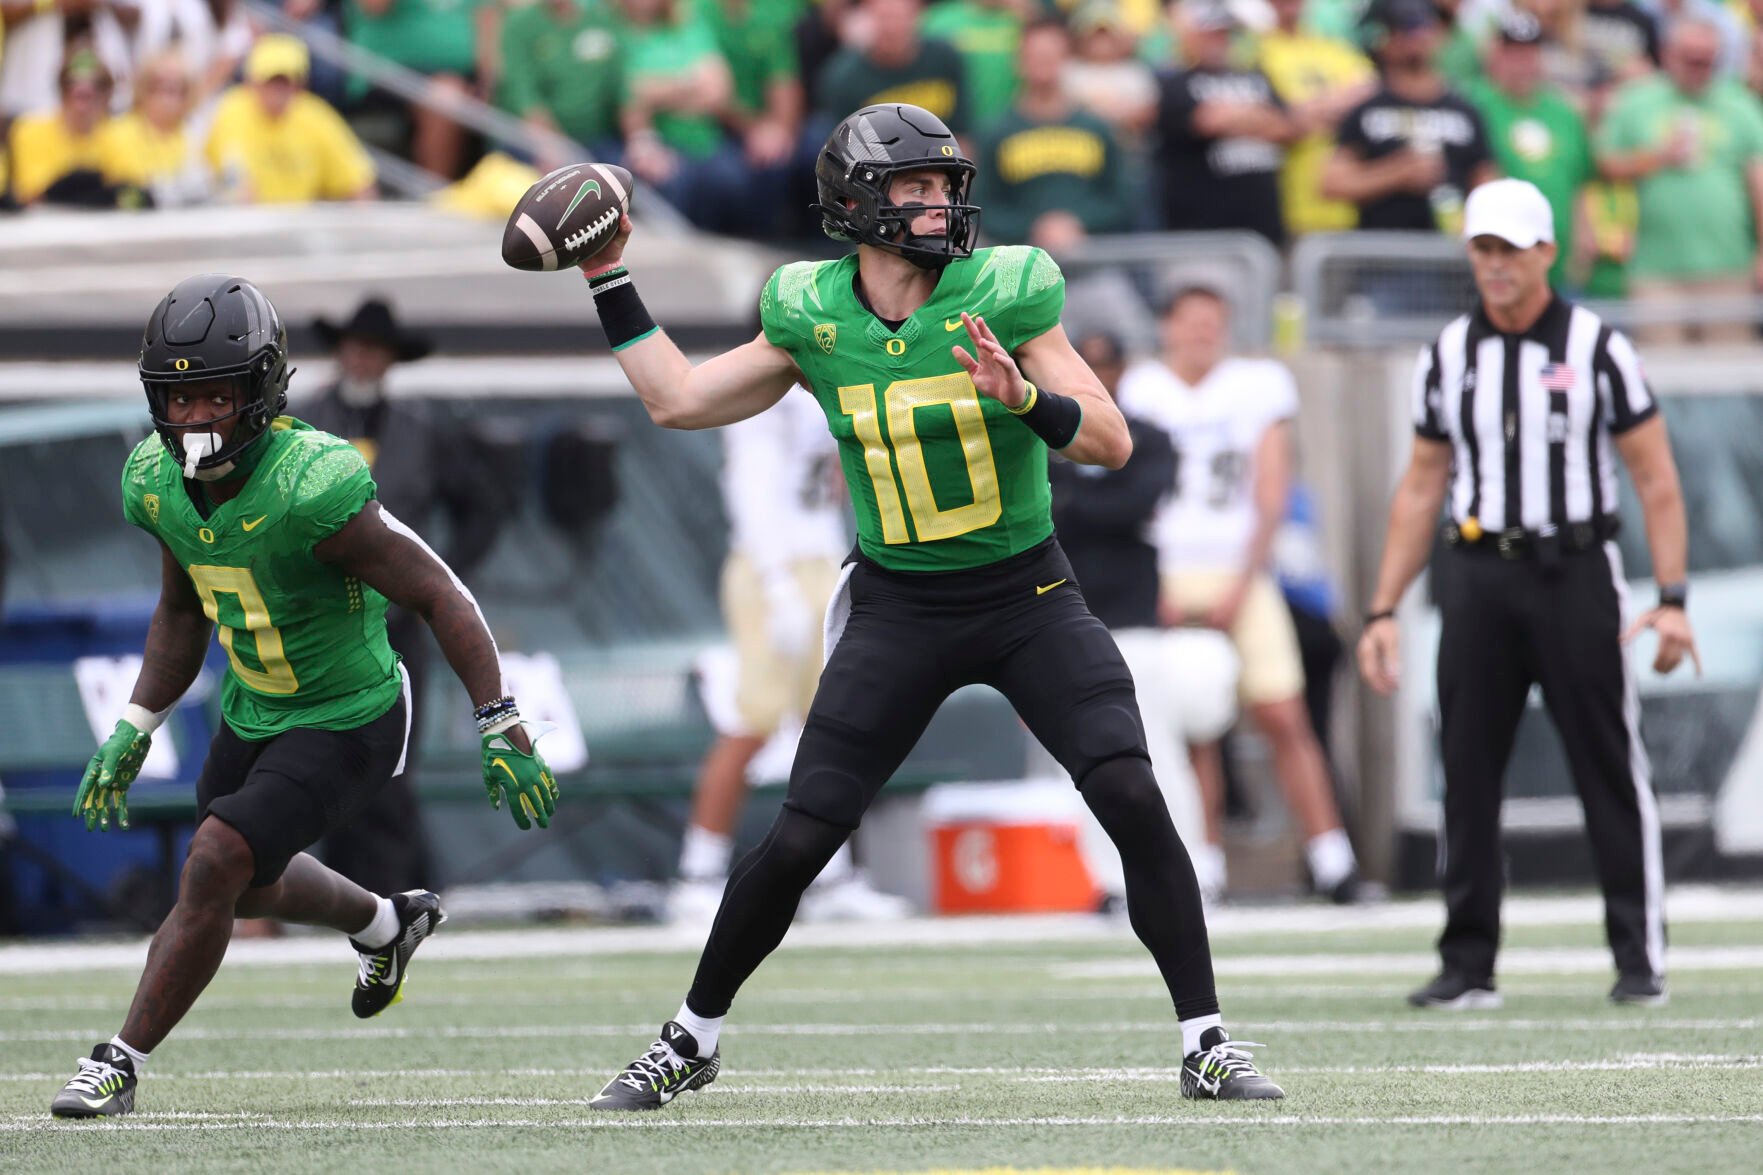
(1456, 992)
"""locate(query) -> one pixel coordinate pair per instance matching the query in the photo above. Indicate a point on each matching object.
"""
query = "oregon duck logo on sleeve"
(827, 335)
(151, 502)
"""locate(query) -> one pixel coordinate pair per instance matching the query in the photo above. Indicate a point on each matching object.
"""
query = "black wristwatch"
(1674, 595)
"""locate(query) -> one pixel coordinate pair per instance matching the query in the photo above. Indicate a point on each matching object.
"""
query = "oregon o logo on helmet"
(182, 365)
(948, 150)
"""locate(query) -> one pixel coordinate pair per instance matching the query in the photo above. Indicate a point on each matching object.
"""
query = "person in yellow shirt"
(51, 145)
(150, 148)
(1319, 78)
(273, 142)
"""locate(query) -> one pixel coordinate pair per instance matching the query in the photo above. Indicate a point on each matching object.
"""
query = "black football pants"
(1021, 626)
(1506, 624)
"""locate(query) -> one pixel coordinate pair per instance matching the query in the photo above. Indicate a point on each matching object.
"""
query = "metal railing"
(1116, 283)
(1386, 289)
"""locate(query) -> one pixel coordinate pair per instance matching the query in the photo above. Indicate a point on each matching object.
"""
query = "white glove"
(789, 621)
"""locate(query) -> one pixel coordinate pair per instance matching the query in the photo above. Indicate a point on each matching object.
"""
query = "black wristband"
(1372, 618)
(1674, 595)
(1050, 416)
(623, 316)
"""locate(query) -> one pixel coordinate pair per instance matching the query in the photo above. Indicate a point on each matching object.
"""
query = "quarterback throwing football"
(269, 529)
(916, 348)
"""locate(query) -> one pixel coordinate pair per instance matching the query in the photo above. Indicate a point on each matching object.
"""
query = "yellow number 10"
(276, 676)
(901, 401)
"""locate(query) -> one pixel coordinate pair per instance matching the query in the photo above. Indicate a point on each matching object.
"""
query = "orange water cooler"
(1007, 848)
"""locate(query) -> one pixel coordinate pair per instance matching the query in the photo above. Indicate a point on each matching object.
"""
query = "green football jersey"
(305, 643)
(942, 478)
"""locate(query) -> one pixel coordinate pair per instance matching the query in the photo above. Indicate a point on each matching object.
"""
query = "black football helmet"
(861, 158)
(215, 327)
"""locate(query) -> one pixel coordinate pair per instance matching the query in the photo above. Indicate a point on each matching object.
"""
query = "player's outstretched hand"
(991, 367)
(531, 788)
(104, 788)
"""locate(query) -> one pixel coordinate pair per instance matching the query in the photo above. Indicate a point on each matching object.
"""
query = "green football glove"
(105, 786)
(531, 788)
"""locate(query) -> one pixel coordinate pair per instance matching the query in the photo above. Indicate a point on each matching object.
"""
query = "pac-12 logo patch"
(151, 502)
(827, 335)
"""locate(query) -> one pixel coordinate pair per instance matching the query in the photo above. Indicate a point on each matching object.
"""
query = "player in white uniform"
(1230, 422)
(784, 495)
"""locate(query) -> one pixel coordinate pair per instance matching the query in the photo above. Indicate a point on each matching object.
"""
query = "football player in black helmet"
(946, 376)
(856, 170)
(217, 334)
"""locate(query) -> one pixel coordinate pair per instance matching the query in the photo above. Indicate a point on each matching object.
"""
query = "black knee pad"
(1124, 789)
(800, 844)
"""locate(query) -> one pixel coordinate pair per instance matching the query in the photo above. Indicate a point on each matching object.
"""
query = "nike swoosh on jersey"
(254, 523)
(951, 324)
(1041, 591)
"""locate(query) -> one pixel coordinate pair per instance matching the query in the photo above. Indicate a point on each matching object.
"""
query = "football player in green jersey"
(269, 530)
(916, 348)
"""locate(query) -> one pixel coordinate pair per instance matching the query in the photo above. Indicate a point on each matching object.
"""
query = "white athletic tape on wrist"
(503, 724)
(143, 719)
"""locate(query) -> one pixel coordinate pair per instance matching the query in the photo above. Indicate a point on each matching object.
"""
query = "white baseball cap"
(1513, 210)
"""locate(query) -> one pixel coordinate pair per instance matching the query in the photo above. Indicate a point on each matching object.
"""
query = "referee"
(1517, 409)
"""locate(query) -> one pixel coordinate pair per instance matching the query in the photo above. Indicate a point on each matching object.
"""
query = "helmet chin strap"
(199, 446)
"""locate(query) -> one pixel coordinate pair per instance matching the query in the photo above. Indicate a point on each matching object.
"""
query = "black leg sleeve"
(1162, 896)
(758, 905)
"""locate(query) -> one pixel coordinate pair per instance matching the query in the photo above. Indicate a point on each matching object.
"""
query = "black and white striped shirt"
(1530, 416)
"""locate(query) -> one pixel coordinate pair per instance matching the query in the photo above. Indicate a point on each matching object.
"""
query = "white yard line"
(1199, 1119)
(1514, 961)
(1421, 1023)
(1018, 1073)
(1684, 904)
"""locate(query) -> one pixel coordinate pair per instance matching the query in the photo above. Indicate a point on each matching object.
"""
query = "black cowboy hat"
(373, 321)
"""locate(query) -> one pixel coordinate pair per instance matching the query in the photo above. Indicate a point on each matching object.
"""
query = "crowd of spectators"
(1639, 118)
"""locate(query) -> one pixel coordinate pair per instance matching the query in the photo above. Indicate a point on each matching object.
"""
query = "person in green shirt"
(1692, 143)
(1058, 173)
(915, 348)
(985, 33)
(270, 531)
(437, 38)
(758, 40)
(561, 74)
(1533, 130)
(678, 92)
(894, 64)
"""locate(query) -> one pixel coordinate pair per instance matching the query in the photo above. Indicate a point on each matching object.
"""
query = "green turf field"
(983, 1049)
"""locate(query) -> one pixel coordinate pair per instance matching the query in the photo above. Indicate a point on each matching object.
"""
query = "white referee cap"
(1513, 210)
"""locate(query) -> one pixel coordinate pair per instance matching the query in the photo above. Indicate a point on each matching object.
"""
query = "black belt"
(1518, 543)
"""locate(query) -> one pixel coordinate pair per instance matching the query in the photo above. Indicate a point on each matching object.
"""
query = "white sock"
(135, 1055)
(704, 855)
(381, 929)
(1191, 1031)
(704, 1029)
(1208, 860)
(1331, 857)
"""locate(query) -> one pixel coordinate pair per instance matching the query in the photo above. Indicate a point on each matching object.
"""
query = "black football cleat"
(380, 981)
(103, 1088)
(1223, 1071)
(669, 1068)
(1640, 991)
(1455, 992)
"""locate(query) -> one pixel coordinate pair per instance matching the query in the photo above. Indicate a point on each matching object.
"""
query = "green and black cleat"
(103, 1088)
(1222, 1071)
(670, 1067)
(380, 981)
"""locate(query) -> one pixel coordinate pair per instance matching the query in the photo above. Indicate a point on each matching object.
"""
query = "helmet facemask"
(259, 394)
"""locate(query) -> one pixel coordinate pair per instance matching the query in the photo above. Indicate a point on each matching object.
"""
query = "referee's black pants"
(1557, 623)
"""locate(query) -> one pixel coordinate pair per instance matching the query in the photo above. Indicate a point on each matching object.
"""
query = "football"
(567, 217)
